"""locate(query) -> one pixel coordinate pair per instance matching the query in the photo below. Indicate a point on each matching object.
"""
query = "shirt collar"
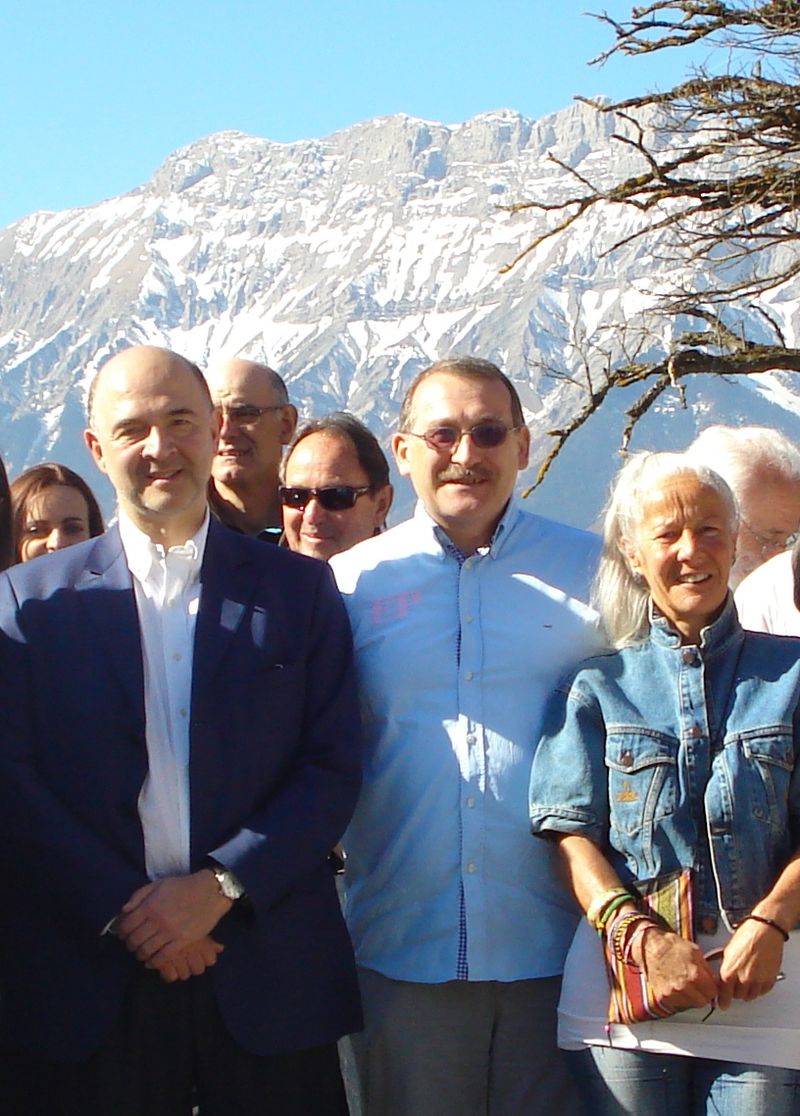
(144, 556)
(716, 636)
(447, 546)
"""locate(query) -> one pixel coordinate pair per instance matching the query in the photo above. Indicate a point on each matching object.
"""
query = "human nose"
(465, 450)
(157, 443)
(55, 541)
(314, 511)
(226, 424)
(687, 544)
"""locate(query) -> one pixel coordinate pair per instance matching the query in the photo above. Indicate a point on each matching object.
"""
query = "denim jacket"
(671, 756)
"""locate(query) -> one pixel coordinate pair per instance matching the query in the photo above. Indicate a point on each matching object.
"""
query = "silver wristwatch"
(227, 883)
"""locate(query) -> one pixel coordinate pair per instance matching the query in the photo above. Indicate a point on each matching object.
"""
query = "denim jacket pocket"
(768, 756)
(642, 768)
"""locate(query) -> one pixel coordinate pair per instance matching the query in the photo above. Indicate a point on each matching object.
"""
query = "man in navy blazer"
(179, 751)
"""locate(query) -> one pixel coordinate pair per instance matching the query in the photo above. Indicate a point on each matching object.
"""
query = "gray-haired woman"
(679, 750)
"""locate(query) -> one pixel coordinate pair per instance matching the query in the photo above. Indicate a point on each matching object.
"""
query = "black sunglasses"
(485, 435)
(339, 497)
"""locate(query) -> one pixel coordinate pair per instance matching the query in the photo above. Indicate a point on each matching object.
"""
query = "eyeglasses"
(485, 435)
(247, 414)
(772, 544)
(339, 497)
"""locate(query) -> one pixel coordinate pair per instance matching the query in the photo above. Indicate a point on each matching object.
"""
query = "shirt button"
(177, 657)
(468, 619)
(626, 760)
(471, 803)
(695, 731)
(689, 656)
(183, 712)
(471, 868)
(708, 924)
(469, 675)
(471, 738)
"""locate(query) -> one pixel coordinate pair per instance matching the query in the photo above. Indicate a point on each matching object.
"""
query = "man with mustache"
(464, 617)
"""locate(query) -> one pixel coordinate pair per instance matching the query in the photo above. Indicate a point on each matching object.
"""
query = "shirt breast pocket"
(642, 778)
(769, 761)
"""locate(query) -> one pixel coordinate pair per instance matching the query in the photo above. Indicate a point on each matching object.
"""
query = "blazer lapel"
(106, 595)
(228, 584)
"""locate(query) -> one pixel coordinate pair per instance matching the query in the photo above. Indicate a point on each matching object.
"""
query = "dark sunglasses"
(485, 435)
(339, 497)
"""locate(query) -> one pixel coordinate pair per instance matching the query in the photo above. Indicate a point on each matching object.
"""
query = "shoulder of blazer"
(70, 568)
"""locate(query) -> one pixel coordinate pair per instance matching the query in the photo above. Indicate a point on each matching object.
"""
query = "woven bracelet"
(767, 922)
(604, 917)
(597, 908)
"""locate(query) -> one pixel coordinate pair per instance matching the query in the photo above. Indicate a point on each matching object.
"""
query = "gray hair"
(736, 452)
(619, 595)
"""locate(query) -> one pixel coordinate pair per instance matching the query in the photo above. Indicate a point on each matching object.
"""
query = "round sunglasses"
(485, 435)
(338, 497)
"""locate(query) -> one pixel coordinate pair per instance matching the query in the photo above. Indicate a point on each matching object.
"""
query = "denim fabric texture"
(622, 1082)
(680, 756)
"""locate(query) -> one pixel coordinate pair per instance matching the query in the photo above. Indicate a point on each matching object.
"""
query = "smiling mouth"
(693, 579)
(154, 477)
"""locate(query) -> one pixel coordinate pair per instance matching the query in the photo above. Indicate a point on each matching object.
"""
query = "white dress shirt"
(167, 589)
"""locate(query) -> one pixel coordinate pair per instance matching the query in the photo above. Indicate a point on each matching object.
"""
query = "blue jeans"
(631, 1083)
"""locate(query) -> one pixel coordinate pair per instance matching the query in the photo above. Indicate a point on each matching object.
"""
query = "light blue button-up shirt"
(456, 657)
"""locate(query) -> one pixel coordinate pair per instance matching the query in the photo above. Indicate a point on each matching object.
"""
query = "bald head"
(257, 421)
(245, 375)
(152, 430)
(140, 357)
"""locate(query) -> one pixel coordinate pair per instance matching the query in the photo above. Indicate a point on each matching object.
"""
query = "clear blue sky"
(94, 96)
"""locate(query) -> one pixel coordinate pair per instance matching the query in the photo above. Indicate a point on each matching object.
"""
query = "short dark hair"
(36, 480)
(193, 368)
(470, 368)
(370, 456)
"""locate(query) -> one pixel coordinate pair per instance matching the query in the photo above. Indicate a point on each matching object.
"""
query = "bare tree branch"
(719, 183)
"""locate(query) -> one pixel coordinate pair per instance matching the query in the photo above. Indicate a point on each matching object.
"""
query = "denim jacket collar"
(717, 638)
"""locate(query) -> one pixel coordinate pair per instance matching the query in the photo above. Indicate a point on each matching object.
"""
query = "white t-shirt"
(763, 1032)
(765, 599)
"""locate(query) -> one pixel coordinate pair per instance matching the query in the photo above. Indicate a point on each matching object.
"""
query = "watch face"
(228, 885)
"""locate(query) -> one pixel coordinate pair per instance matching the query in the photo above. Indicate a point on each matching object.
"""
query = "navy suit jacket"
(274, 776)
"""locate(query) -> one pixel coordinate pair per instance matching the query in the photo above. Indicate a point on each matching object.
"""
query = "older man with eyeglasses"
(257, 421)
(464, 617)
(762, 468)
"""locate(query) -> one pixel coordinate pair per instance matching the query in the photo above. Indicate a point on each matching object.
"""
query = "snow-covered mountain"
(348, 264)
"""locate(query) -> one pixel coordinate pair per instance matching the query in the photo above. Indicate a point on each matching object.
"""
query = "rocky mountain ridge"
(348, 263)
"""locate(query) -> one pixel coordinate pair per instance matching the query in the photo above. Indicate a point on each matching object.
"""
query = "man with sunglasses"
(336, 489)
(464, 618)
(257, 421)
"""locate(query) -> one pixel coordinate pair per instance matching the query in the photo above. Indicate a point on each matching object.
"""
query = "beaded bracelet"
(621, 927)
(767, 922)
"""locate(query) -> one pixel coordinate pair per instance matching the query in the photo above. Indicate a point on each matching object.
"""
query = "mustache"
(456, 474)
